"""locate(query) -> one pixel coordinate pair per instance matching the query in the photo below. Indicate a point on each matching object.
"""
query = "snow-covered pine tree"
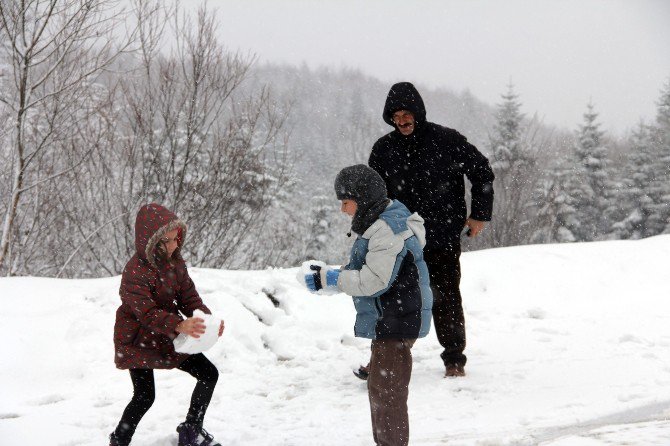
(328, 234)
(555, 214)
(660, 186)
(506, 140)
(589, 188)
(640, 216)
(319, 232)
(514, 164)
(365, 126)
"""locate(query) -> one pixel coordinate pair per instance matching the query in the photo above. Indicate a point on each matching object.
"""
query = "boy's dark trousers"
(445, 277)
(388, 388)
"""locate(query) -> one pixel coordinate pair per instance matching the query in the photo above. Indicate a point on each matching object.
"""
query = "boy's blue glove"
(322, 278)
(313, 280)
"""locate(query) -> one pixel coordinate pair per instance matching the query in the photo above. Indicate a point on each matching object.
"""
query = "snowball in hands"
(188, 344)
(307, 270)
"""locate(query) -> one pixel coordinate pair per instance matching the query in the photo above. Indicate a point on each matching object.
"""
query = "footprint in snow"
(9, 416)
(47, 399)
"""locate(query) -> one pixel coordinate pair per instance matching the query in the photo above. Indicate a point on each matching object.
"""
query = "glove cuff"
(332, 276)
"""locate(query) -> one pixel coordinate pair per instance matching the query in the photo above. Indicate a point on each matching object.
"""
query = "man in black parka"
(423, 165)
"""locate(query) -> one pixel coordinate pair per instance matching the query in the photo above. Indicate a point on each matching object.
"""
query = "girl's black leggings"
(144, 393)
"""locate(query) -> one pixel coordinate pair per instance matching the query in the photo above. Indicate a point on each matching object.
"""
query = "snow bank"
(567, 344)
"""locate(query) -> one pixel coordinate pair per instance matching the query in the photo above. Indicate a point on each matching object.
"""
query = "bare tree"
(203, 143)
(52, 51)
(178, 128)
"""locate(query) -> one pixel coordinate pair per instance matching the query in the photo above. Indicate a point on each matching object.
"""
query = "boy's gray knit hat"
(367, 188)
(360, 183)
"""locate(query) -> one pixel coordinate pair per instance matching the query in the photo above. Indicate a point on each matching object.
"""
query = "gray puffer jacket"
(388, 278)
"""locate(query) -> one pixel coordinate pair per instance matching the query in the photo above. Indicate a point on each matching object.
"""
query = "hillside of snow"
(567, 345)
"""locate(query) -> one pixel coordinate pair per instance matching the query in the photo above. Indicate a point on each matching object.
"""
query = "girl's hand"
(193, 326)
(221, 327)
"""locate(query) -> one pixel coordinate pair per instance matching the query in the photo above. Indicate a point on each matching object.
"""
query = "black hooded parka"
(425, 170)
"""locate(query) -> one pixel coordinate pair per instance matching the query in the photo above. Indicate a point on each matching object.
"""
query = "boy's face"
(349, 207)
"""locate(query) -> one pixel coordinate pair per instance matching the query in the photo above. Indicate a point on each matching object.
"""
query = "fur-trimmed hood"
(152, 223)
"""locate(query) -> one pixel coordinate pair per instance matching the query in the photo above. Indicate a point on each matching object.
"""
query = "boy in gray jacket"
(389, 282)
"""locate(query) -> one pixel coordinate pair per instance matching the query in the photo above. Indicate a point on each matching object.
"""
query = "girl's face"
(170, 242)
(349, 207)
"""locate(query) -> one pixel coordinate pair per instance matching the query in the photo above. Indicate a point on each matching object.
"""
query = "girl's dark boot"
(116, 441)
(194, 435)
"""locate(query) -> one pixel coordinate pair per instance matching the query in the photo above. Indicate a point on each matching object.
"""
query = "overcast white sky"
(559, 54)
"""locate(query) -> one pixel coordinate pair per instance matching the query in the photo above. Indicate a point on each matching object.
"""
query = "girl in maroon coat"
(155, 291)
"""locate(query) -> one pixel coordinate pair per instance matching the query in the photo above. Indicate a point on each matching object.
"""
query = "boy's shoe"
(194, 435)
(363, 372)
(115, 441)
(454, 371)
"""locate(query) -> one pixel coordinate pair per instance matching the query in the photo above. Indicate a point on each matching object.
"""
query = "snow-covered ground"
(567, 345)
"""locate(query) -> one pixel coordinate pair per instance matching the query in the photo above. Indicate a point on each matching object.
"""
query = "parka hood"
(404, 96)
(366, 187)
(415, 223)
(152, 223)
(400, 219)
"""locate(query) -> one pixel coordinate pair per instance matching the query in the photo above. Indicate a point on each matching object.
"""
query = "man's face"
(404, 120)
(349, 207)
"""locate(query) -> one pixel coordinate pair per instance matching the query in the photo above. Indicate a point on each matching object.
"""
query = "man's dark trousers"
(445, 276)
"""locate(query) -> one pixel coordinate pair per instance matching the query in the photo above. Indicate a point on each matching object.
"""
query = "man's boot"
(454, 371)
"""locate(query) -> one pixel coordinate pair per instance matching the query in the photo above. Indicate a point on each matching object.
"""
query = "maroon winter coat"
(152, 296)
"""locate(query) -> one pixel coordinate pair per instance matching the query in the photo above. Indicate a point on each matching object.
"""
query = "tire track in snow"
(657, 411)
(649, 412)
